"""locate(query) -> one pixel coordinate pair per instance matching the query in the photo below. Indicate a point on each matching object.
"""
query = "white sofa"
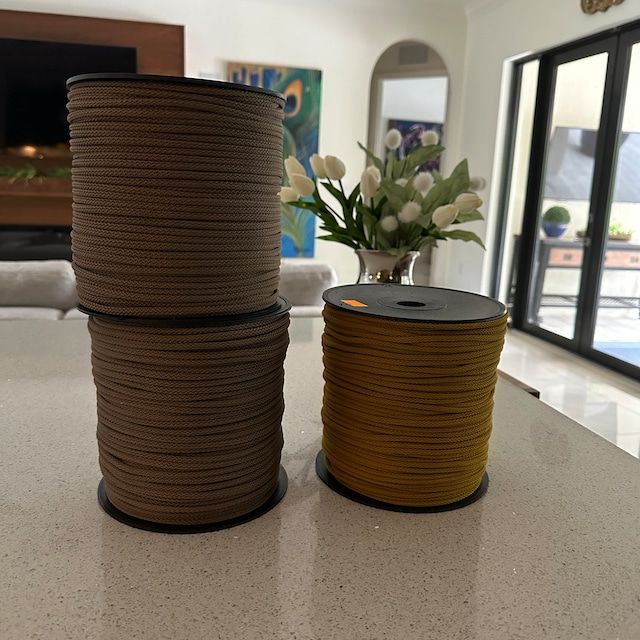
(303, 283)
(37, 290)
(46, 289)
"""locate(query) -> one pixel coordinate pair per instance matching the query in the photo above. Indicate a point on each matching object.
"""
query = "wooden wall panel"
(160, 46)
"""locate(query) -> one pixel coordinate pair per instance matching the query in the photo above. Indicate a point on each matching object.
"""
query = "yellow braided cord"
(407, 408)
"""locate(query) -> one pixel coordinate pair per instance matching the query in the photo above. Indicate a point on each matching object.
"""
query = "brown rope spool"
(175, 195)
(189, 416)
(410, 375)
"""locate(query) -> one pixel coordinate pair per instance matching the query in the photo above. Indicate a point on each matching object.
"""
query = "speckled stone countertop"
(552, 550)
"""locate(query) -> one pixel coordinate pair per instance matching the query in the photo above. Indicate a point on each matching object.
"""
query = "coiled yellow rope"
(175, 197)
(408, 406)
(189, 419)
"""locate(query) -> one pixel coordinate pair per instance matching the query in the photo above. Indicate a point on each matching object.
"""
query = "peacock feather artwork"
(301, 89)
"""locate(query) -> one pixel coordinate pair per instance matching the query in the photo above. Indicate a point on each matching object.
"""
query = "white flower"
(402, 182)
(303, 185)
(375, 171)
(410, 212)
(477, 184)
(423, 182)
(334, 167)
(389, 224)
(393, 139)
(292, 165)
(427, 138)
(317, 164)
(369, 183)
(443, 216)
(468, 202)
(287, 194)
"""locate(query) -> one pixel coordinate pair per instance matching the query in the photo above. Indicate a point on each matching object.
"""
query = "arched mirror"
(409, 89)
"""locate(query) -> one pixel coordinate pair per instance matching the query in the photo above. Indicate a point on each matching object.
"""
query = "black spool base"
(325, 475)
(138, 523)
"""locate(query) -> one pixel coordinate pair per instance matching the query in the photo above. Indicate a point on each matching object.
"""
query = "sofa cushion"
(303, 283)
(74, 314)
(306, 311)
(30, 313)
(38, 283)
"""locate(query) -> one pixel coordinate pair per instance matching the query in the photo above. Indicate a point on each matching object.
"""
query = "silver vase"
(380, 267)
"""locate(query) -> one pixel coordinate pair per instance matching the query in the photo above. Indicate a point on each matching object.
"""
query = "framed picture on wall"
(301, 89)
(411, 131)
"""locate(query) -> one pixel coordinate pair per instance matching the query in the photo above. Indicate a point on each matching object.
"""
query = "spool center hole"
(411, 303)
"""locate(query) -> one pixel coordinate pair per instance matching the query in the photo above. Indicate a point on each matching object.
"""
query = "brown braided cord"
(175, 205)
(189, 419)
(408, 406)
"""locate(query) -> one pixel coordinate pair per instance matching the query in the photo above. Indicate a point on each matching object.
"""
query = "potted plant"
(395, 211)
(555, 221)
(617, 231)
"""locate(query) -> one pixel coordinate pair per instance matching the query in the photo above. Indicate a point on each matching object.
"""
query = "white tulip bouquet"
(396, 207)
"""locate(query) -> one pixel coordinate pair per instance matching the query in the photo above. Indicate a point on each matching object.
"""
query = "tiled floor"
(601, 400)
(617, 331)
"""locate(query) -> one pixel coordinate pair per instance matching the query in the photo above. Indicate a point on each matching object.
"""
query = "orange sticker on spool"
(354, 303)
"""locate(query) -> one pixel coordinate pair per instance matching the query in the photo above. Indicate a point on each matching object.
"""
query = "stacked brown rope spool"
(176, 248)
(410, 375)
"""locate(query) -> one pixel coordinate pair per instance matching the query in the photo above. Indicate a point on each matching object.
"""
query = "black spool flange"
(335, 485)
(139, 523)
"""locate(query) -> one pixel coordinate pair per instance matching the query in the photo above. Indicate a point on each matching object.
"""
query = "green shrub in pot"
(555, 221)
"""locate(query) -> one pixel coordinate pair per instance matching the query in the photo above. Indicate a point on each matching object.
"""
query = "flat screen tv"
(33, 94)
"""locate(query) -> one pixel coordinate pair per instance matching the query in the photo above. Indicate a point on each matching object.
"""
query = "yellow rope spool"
(410, 376)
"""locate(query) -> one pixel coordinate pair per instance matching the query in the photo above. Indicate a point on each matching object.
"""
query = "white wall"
(344, 38)
(498, 30)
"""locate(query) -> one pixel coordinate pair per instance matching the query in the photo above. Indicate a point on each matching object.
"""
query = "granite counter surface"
(552, 550)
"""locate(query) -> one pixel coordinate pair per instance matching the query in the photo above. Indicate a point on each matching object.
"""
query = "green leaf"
(369, 220)
(313, 207)
(468, 217)
(382, 242)
(336, 193)
(399, 169)
(304, 204)
(396, 195)
(353, 197)
(436, 196)
(391, 159)
(418, 157)
(435, 232)
(376, 161)
(347, 210)
(458, 180)
(445, 191)
(465, 236)
(333, 238)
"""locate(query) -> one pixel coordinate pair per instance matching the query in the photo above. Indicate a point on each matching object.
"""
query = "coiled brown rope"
(408, 406)
(175, 197)
(189, 419)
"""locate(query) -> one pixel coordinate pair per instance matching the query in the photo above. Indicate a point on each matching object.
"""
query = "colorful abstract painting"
(301, 88)
(411, 131)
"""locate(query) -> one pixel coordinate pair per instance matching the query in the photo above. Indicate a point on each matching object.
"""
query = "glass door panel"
(617, 327)
(566, 194)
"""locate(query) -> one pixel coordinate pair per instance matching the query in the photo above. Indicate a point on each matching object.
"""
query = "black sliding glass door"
(576, 257)
(616, 331)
